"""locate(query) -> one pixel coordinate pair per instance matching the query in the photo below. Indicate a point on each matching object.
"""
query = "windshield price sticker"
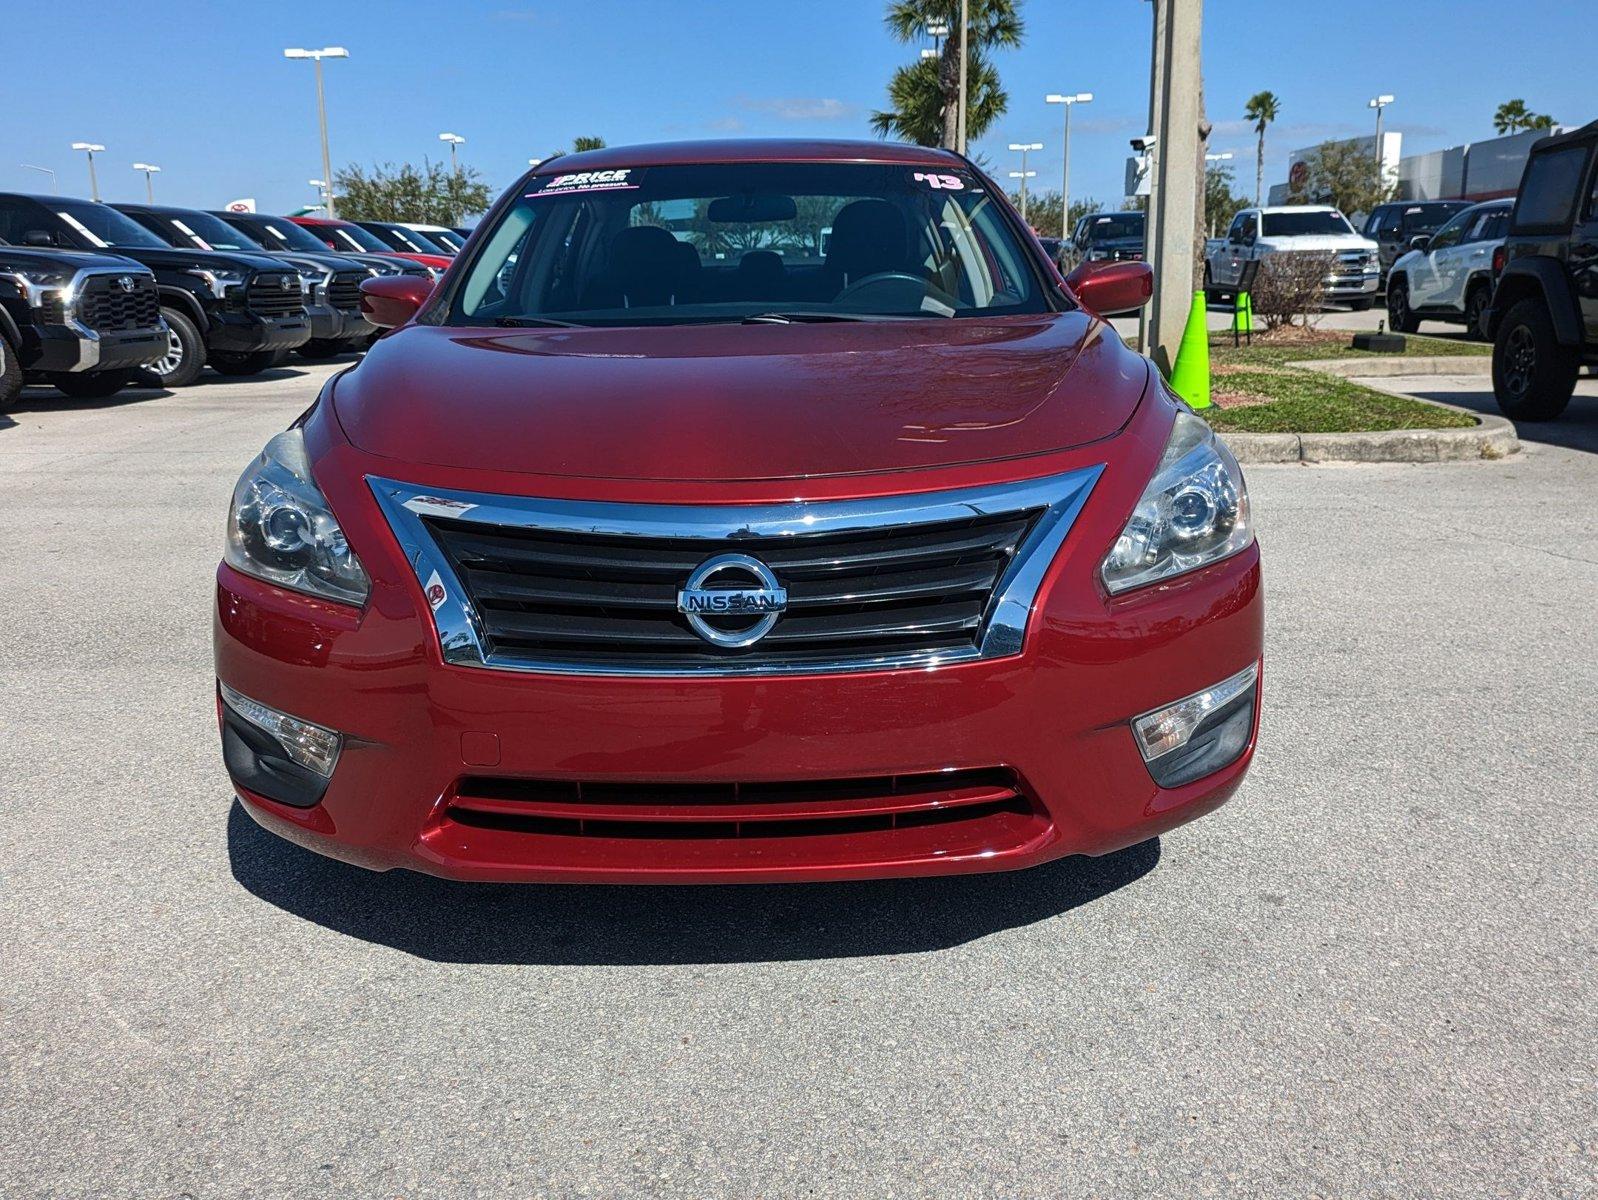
(620, 180)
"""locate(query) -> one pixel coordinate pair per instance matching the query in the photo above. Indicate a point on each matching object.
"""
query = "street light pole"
(1023, 174)
(454, 139)
(965, 58)
(149, 169)
(321, 191)
(316, 56)
(90, 149)
(1065, 178)
(54, 187)
(1379, 103)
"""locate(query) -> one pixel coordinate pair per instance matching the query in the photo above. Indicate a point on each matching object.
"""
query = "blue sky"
(203, 89)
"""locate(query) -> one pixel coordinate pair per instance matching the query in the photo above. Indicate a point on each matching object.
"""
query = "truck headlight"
(218, 279)
(280, 528)
(1193, 512)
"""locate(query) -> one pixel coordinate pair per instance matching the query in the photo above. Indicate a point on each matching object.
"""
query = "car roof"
(1289, 208)
(736, 150)
(1556, 140)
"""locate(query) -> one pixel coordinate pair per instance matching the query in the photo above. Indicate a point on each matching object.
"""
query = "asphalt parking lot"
(1370, 975)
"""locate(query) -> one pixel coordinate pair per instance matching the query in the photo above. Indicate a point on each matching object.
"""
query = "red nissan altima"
(741, 511)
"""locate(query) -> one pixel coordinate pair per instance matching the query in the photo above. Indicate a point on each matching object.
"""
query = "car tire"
(96, 385)
(185, 356)
(319, 348)
(1363, 304)
(1476, 302)
(251, 363)
(1400, 317)
(10, 375)
(1533, 375)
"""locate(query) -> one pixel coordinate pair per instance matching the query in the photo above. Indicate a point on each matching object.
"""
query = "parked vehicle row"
(95, 295)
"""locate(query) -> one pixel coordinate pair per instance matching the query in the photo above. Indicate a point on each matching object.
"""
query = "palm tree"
(1513, 115)
(925, 96)
(1262, 108)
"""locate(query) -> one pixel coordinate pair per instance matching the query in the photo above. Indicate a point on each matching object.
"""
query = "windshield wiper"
(535, 323)
(807, 316)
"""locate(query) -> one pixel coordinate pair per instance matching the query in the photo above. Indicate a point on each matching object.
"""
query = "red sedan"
(349, 238)
(736, 512)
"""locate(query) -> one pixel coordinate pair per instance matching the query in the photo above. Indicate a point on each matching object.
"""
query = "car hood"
(1328, 241)
(180, 259)
(740, 402)
(77, 260)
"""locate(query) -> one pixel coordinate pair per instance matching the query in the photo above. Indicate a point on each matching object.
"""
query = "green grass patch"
(1265, 352)
(1302, 401)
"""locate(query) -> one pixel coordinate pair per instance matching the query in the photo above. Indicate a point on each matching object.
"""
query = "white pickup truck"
(1297, 228)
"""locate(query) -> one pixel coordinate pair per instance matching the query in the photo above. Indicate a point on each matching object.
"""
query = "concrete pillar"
(1176, 201)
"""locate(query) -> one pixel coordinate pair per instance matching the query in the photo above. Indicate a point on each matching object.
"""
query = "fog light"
(1200, 734)
(311, 746)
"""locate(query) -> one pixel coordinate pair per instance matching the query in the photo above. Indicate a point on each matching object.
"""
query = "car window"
(1239, 224)
(18, 218)
(1420, 219)
(1114, 226)
(1310, 223)
(1392, 224)
(1548, 189)
(1452, 233)
(707, 242)
(1494, 226)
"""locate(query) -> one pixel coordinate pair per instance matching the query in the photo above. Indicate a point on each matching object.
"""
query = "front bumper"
(438, 759)
(246, 332)
(329, 324)
(1340, 287)
(75, 348)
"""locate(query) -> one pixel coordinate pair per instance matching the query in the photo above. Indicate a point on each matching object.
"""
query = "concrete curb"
(1492, 437)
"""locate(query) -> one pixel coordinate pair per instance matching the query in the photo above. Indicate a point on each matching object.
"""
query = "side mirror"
(389, 301)
(1419, 242)
(1112, 288)
(37, 237)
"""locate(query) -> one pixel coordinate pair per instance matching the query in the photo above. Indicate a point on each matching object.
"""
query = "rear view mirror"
(1419, 242)
(749, 209)
(390, 300)
(1112, 288)
(37, 237)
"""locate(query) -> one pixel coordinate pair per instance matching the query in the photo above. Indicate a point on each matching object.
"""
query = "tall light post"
(1379, 103)
(965, 58)
(149, 170)
(322, 187)
(317, 56)
(1023, 176)
(43, 171)
(91, 148)
(454, 139)
(1065, 178)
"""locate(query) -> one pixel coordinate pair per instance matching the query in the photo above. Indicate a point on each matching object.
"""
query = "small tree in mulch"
(1288, 288)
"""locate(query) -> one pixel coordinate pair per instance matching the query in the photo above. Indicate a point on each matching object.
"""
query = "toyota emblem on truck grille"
(732, 600)
(125, 282)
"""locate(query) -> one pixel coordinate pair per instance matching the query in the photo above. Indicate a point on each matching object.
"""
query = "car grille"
(577, 587)
(587, 598)
(345, 290)
(275, 294)
(735, 810)
(106, 306)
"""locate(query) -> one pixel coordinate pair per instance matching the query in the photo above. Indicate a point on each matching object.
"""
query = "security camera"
(1145, 143)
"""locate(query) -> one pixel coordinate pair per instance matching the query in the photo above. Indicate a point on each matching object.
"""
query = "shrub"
(1288, 287)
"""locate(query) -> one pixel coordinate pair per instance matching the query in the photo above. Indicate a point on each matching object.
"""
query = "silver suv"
(1448, 276)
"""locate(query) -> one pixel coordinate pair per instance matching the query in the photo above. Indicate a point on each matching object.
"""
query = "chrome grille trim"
(1058, 500)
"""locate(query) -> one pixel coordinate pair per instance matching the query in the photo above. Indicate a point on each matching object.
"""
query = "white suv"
(1449, 275)
(1297, 228)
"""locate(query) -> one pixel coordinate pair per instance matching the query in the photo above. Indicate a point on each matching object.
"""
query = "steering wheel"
(895, 289)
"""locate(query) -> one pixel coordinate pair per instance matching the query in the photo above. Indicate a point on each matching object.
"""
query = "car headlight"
(280, 528)
(37, 284)
(313, 277)
(1193, 512)
(218, 279)
(1096, 255)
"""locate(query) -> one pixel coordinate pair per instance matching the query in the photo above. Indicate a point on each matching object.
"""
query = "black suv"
(83, 322)
(1544, 314)
(332, 282)
(235, 311)
(1105, 237)
(1395, 226)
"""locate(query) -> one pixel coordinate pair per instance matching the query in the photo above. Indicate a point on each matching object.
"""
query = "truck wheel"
(320, 348)
(1400, 318)
(10, 375)
(94, 386)
(1533, 375)
(252, 363)
(185, 352)
(1475, 310)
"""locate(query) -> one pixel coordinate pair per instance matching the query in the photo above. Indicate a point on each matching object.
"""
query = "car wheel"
(252, 363)
(320, 348)
(185, 352)
(1533, 375)
(94, 386)
(1476, 311)
(1400, 319)
(10, 375)
(1363, 304)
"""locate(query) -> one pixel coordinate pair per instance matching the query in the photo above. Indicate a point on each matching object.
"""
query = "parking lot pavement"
(1370, 975)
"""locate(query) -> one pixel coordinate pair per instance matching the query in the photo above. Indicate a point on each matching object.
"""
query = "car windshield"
(103, 225)
(447, 238)
(280, 233)
(679, 244)
(1114, 226)
(352, 237)
(1310, 223)
(1431, 217)
(207, 232)
(409, 240)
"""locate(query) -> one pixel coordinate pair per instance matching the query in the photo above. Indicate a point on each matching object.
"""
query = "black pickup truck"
(235, 311)
(333, 282)
(1544, 315)
(82, 322)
